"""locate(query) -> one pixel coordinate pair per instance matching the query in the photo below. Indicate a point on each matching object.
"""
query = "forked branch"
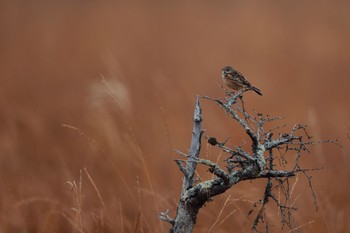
(241, 165)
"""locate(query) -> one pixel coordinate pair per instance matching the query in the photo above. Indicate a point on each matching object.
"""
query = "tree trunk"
(184, 220)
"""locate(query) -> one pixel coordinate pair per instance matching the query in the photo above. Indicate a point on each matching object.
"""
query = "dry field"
(94, 96)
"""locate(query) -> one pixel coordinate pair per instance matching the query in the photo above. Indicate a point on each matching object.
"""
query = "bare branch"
(238, 150)
(227, 107)
(215, 169)
(181, 167)
(243, 165)
(180, 153)
(185, 215)
(195, 145)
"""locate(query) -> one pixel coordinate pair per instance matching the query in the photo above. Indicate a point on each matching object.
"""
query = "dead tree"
(267, 148)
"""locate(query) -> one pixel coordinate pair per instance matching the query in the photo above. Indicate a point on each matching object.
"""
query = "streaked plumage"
(236, 81)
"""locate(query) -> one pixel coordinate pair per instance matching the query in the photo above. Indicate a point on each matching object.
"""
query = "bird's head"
(227, 70)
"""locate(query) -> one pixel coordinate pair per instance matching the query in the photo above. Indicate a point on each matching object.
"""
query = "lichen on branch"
(268, 147)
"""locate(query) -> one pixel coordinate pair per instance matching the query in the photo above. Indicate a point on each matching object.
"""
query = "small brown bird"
(236, 81)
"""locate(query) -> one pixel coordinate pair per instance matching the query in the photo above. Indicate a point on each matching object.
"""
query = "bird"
(236, 81)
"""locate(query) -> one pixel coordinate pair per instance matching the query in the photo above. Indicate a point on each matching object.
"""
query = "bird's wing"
(244, 80)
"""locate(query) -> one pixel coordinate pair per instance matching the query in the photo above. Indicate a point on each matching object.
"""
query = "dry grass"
(153, 60)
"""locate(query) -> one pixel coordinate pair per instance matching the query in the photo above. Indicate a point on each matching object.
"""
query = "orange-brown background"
(155, 57)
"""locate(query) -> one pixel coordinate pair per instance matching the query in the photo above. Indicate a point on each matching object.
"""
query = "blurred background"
(95, 95)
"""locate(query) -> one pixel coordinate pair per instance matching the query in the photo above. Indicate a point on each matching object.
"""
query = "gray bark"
(186, 213)
(240, 166)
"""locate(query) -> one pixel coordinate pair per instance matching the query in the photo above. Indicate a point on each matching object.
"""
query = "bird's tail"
(257, 90)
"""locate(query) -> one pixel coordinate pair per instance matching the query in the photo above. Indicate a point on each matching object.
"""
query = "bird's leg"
(241, 98)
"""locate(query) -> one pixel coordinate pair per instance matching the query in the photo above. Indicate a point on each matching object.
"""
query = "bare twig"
(165, 217)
